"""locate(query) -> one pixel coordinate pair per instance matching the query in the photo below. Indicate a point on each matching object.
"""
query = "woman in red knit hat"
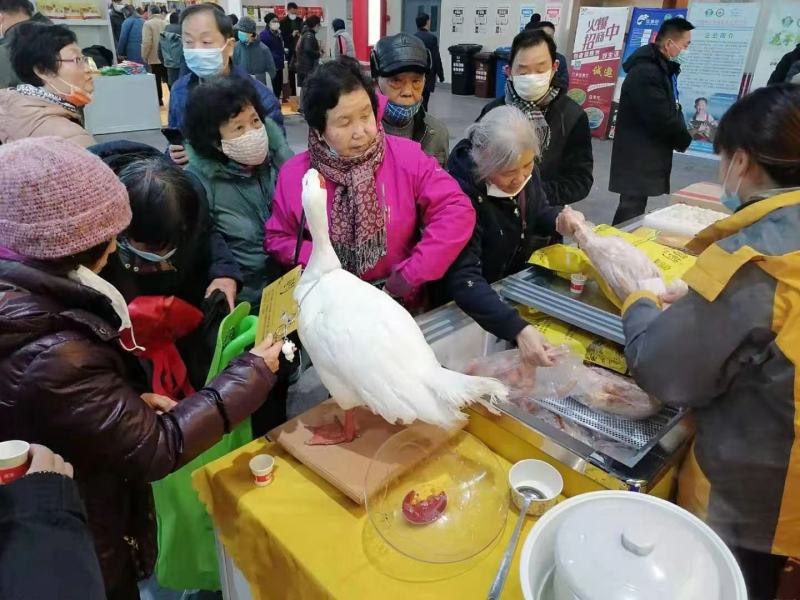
(67, 378)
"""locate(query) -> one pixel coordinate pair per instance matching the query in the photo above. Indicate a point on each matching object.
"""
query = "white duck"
(367, 349)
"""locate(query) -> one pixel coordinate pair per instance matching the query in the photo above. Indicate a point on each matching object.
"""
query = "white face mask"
(496, 192)
(275, 26)
(532, 87)
(292, 17)
(92, 280)
(248, 149)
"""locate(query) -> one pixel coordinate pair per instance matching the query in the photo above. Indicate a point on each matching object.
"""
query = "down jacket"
(66, 383)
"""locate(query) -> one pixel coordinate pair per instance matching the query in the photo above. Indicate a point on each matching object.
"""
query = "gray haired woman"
(495, 165)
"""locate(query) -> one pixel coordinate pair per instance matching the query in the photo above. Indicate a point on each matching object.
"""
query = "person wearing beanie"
(272, 39)
(68, 376)
(252, 55)
(342, 41)
(400, 64)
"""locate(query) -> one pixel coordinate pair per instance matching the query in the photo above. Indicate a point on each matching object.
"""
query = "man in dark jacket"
(781, 72)
(650, 123)
(41, 517)
(291, 28)
(117, 18)
(399, 64)
(12, 13)
(566, 161)
(432, 44)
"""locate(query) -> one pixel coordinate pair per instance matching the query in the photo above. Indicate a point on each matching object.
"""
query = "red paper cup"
(577, 283)
(261, 467)
(13, 460)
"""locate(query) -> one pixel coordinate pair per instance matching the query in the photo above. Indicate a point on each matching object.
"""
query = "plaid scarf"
(533, 110)
(42, 94)
(358, 219)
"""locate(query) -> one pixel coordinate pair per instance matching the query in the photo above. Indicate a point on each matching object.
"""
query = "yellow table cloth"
(300, 538)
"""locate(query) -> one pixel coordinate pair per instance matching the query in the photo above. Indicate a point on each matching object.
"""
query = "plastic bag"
(608, 392)
(526, 382)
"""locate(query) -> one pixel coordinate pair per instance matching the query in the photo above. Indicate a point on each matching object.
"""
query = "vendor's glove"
(534, 349)
(569, 221)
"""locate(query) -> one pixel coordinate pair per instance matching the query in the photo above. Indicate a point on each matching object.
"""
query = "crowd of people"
(86, 229)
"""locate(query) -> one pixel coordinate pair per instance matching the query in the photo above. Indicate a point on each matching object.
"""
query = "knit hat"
(57, 199)
(246, 25)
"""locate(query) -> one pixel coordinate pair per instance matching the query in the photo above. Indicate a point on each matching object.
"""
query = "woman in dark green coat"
(235, 152)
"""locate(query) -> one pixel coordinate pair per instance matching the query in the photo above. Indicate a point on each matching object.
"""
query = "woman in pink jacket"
(395, 214)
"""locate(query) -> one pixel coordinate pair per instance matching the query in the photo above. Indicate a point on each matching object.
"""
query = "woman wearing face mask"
(730, 349)
(236, 152)
(396, 216)
(56, 84)
(251, 55)
(495, 166)
(308, 49)
(272, 39)
(565, 160)
(67, 377)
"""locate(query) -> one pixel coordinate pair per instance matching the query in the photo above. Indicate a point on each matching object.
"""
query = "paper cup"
(261, 467)
(577, 282)
(13, 460)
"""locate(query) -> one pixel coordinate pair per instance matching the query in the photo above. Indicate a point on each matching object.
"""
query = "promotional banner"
(711, 78)
(645, 23)
(782, 36)
(599, 39)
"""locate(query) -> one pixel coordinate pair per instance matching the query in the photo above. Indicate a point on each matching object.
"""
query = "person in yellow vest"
(730, 348)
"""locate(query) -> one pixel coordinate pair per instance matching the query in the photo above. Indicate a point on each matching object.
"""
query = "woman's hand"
(269, 351)
(569, 221)
(44, 460)
(534, 349)
(178, 155)
(159, 403)
(227, 286)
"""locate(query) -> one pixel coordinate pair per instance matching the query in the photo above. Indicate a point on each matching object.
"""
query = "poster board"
(781, 36)
(711, 79)
(599, 40)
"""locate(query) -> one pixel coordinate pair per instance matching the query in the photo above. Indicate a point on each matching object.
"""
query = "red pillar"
(361, 13)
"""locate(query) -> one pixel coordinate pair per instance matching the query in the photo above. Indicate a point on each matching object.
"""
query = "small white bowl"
(539, 475)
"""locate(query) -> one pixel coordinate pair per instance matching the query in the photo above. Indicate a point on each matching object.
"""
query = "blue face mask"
(243, 37)
(729, 200)
(148, 256)
(204, 62)
(400, 116)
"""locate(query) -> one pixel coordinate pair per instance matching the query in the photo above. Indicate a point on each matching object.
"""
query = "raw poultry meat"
(611, 393)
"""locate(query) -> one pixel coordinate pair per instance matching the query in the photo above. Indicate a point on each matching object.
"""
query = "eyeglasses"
(81, 61)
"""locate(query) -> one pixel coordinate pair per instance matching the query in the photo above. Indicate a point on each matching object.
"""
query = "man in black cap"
(399, 64)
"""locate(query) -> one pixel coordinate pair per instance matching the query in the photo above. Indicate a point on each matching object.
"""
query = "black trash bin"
(463, 69)
(484, 74)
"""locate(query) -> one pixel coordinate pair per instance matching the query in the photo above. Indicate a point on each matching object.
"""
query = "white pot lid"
(619, 547)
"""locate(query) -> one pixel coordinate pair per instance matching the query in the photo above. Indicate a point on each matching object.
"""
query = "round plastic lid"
(620, 548)
(428, 461)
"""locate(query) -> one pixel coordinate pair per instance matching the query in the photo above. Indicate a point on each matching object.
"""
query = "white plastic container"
(626, 546)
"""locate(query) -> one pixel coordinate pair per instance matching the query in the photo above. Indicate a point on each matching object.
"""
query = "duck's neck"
(323, 257)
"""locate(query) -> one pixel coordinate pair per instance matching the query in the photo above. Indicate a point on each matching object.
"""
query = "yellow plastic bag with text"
(566, 260)
(591, 348)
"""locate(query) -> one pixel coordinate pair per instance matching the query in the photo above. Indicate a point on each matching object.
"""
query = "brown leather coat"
(66, 383)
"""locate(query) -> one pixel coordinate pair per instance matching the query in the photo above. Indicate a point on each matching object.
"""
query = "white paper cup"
(577, 281)
(13, 460)
(261, 467)
(539, 475)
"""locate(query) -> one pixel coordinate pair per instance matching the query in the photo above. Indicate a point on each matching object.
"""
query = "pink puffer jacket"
(429, 219)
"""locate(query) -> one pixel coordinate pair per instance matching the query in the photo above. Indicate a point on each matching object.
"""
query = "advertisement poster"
(481, 20)
(502, 19)
(599, 39)
(552, 13)
(457, 19)
(711, 79)
(782, 35)
(525, 13)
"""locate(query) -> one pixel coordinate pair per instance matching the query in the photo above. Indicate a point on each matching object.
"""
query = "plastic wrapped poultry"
(611, 393)
(624, 267)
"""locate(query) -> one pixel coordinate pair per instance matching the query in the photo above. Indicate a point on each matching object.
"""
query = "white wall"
(394, 10)
(492, 40)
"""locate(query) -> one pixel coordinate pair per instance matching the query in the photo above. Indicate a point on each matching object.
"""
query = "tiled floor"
(458, 112)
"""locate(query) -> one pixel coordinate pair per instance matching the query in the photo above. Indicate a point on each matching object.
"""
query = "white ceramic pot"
(626, 546)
